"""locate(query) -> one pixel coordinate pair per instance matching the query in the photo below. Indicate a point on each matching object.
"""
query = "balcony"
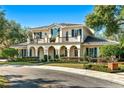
(56, 40)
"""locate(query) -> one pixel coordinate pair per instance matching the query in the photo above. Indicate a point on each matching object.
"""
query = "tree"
(10, 32)
(108, 50)
(106, 18)
(9, 52)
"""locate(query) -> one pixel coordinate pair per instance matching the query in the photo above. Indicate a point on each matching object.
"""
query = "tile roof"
(61, 24)
(91, 40)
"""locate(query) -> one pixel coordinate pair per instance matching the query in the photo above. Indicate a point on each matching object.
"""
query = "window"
(80, 32)
(51, 31)
(77, 32)
(55, 32)
(30, 52)
(23, 52)
(92, 52)
(37, 35)
(65, 52)
(76, 51)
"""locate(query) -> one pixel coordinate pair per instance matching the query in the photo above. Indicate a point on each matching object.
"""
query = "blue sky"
(34, 16)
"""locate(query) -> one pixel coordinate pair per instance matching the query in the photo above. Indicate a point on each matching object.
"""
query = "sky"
(35, 16)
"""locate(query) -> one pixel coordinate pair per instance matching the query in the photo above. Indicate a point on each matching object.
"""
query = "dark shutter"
(40, 35)
(51, 31)
(72, 32)
(80, 32)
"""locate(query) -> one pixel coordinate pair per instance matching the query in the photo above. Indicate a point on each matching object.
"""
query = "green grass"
(121, 66)
(71, 65)
(3, 82)
(19, 63)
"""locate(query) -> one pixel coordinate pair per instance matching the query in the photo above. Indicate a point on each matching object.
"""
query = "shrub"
(45, 58)
(27, 59)
(9, 52)
(97, 67)
(56, 57)
(87, 66)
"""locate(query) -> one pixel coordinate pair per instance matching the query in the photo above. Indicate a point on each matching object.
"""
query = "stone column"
(49, 36)
(79, 54)
(57, 39)
(36, 52)
(79, 38)
(46, 39)
(28, 52)
(46, 53)
(68, 53)
(33, 35)
(98, 52)
(59, 53)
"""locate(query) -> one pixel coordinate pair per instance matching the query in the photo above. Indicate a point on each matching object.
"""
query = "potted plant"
(52, 39)
(113, 65)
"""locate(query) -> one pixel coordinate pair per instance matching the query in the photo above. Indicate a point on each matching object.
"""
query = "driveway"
(27, 77)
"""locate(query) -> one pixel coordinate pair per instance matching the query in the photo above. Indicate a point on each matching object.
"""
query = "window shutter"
(40, 35)
(51, 31)
(72, 32)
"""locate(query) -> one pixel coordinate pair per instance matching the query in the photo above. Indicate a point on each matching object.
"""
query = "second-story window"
(38, 35)
(80, 32)
(74, 33)
(55, 32)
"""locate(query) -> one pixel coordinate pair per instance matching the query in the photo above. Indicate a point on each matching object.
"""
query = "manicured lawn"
(121, 66)
(71, 65)
(3, 82)
(19, 63)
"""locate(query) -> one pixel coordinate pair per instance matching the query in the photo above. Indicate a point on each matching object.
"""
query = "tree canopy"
(10, 31)
(108, 18)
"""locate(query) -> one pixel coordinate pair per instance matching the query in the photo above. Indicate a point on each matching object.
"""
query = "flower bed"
(101, 67)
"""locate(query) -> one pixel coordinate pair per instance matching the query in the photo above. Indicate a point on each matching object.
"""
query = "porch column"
(98, 52)
(46, 53)
(33, 35)
(58, 53)
(36, 52)
(79, 54)
(28, 52)
(68, 54)
(79, 38)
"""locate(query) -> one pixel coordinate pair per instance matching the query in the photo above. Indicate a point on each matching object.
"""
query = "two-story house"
(64, 40)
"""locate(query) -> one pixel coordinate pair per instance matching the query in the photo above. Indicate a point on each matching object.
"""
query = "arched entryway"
(63, 51)
(32, 52)
(73, 51)
(51, 53)
(41, 53)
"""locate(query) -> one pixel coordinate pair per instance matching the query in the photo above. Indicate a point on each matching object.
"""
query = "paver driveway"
(27, 77)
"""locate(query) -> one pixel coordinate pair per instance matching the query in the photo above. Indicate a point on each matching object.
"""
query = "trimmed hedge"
(26, 59)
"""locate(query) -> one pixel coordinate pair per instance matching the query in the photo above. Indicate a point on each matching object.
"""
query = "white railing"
(57, 40)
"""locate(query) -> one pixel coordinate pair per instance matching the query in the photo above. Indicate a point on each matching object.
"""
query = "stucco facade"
(63, 40)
